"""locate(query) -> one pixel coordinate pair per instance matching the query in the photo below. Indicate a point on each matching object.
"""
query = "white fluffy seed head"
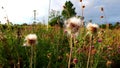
(73, 20)
(89, 25)
(92, 27)
(72, 25)
(31, 36)
(31, 39)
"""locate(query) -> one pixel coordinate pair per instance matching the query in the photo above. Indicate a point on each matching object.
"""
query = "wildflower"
(76, 41)
(108, 63)
(67, 55)
(93, 46)
(30, 39)
(101, 34)
(24, 44)
(99, 40)
(83, 6)
(60, 58)
(49, 55)
(101, 16)
(102, 9)
(65, 31)
(72, 25)
(110, 48)
(93, 52)
(118, 47)
(75, 61)
(92, 28)
(80, 0)
(78, 50)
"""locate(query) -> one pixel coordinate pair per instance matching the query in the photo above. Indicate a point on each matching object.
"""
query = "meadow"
(53, 48)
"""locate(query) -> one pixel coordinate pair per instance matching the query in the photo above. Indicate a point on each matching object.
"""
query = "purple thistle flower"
(75, 61)
(99, 40)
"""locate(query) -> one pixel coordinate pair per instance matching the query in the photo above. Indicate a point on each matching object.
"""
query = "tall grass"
(52, 50)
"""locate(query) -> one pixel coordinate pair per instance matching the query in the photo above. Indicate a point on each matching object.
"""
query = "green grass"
(52, 50)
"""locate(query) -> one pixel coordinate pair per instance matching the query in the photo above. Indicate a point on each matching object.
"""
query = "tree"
(117, 25)
(53, 21)
(68, 10)
(54, 13)
(55, 18)
(103, 26)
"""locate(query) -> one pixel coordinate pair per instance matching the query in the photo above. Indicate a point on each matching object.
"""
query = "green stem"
(70, 52)
(34, 56)
(89, 54)
(18, 62)
(31, 57)
(48, 66)
(75, 47)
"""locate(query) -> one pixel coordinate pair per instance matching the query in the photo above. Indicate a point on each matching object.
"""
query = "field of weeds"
(53, 48)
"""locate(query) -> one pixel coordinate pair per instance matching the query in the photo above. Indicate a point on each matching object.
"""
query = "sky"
(21, 11)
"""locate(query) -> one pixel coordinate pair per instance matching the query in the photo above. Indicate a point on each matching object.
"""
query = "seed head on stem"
(72, 26)
(30, 39)
(92, 28)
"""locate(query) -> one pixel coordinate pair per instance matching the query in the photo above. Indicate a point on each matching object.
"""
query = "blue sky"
(21, 11)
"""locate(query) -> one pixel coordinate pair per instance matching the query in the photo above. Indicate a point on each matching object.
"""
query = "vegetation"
(67, 12)
(111, 26)
(52, 50)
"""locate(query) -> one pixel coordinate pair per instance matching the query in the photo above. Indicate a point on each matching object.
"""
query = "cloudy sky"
(21, 11)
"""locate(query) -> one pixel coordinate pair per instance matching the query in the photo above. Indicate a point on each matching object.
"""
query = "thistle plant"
(31, 40)
(92, 30)
(72, 26)
(82, 9)
(104, 16)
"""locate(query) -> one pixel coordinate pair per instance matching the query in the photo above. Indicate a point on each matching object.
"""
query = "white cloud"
(22, 10)
(57, 4)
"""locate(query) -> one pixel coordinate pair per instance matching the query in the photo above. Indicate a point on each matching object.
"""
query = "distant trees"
(57, 18)
(24, 24)
(117, 25)
(54, 20)
(54, 13)
(111, 26)
(68, 10)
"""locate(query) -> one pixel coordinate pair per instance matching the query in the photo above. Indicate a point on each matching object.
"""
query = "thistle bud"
(75, 61)
(102, 9)
(101, 16)
(80, 0)
(83, 6)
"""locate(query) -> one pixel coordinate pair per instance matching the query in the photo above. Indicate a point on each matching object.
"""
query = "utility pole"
(48, 13)
(34, 16)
